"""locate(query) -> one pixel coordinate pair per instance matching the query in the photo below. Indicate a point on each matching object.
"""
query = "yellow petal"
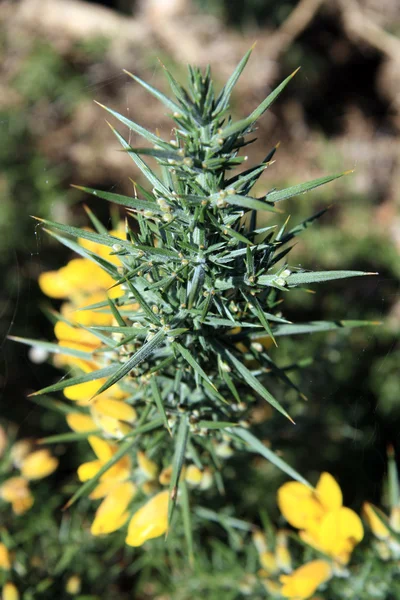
(80, 423)
(16, 490)
(282, 554)
(83, 392)
(268, 562)
(150, 521)
(111, 514)
(110, 426)
(376, 524)
(73, 585)
(304, 581)
(115, 408)
(53, 285)
(39, 464)
(88, 470)
(395, 518)
(165, 475)
(102, 449)
(20, 451)
(259, 541)
(102, 489)
(5, 562)
(148, 467)
(10, 592)
(339, 532)
(193, 475)
(298, 504)
(84, 276)
(328, 492)
(86, 341)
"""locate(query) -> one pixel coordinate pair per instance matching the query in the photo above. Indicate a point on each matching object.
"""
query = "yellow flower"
(5, 562)
(81, 423)
(268, 562)
(282, 554)
(115, 409)
(304, 581)
(376, 524)
(39, 464)
(112, 513)
(337, 534)
(395, 518)
(73, 585)
(78, 278)
(20, 451)
(325, 523)
(16, 491)
(165, 475)
(150, 521)
(148, 467)
(193, 475)
(10, 592)
(117, 473)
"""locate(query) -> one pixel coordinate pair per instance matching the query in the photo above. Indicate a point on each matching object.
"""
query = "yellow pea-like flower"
(268, 562)
(10, 592)
(304, 581)
(20, 451)
(39, 464)
(116, 409)
(5, 562)
(80, 423)
(73, 585)
(53, 285)
(147, 466)
(150, 521)
(282, 554)
(165, 475)
(299, 505)
(16, 491)
(193, 475)
(376, 524)
(112, 512)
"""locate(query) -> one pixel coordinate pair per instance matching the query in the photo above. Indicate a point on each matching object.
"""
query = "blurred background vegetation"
(342, 111)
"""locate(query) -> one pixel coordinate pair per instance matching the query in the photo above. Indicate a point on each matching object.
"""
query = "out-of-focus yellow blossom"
(207, 479)
(268, 562)
(19, 451)
(5, 562)
(377, 525)
(387, 546)
(16, 491)
(104, 452)
(337, 534)
(78, 278)
(10, 592)
(273, 561)
(115, 409)
(150, 521)
(165, 475)
(325, 523)
(38, 464)
(147, 467)
(81, 423)
(112, 512)
(305, 580)
(73, 585)
(282, 554)
(193, 475)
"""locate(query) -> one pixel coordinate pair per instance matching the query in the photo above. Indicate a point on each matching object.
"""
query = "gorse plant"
(178, 308)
